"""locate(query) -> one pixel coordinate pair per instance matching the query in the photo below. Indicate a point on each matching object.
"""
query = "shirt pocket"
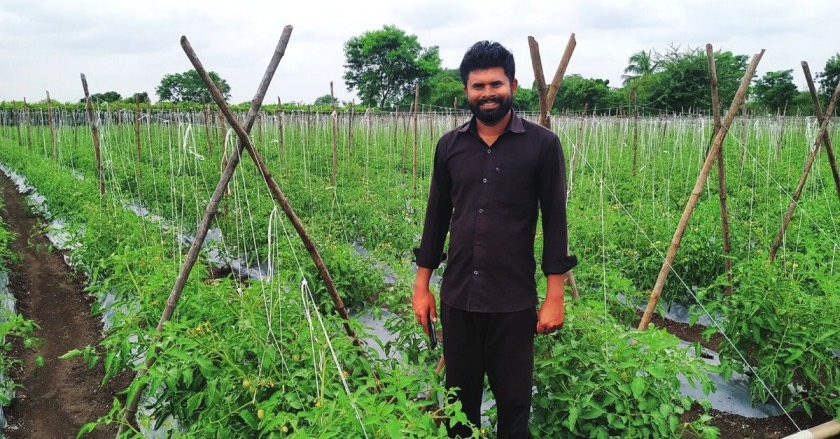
(516, 185)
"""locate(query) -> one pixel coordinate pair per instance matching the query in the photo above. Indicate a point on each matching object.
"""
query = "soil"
(59, 397)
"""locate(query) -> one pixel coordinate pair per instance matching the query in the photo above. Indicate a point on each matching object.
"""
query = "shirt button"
(497, 169)
(488, 151)
(480, 210)
(475, 272)
(484, 180)
(478, 243)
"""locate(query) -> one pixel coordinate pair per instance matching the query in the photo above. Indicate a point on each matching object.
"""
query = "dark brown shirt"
(488, 200)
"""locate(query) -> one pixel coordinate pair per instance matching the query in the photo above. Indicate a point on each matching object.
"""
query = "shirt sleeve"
(438, 212)
(556, 258)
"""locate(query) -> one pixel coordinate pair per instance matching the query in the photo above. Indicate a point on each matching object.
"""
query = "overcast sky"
(128, 46)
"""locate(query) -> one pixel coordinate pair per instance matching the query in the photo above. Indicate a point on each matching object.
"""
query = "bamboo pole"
(52, 127)
(698, 187)
(94, 129)
(206, 111)
(350, 127)
(547, 100)
(801, 185)
(560, 73)
(137, 137)
(724, 213)
(635, 130)
(539, 78)
(201, 231)
(416, 134)
(832, 161)
(334, 122)
(280, 125)
(27, 122)
(823, 431)
(16, 119)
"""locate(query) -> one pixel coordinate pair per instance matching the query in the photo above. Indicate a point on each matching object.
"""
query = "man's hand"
(423, 301)
(552, 313)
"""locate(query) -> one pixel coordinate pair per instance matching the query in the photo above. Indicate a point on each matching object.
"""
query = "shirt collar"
(515, 125)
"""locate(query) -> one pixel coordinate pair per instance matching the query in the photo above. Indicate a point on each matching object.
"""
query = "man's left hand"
(552, 313)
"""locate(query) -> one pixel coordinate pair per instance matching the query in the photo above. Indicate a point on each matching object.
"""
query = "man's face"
(490, 94)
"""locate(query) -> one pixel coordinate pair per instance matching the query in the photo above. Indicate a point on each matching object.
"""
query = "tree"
(386, 65)
(683, 82)
(188, 87)
(144, 98)
(775, 91)
(576, 93)
(828, 78)
(443, 89)
(641, 65)
(108, 96)
(326, 100)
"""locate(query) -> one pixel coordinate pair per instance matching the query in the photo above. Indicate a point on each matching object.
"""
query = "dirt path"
(57, 399)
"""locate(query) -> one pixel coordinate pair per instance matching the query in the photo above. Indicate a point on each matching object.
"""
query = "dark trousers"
(500, 345)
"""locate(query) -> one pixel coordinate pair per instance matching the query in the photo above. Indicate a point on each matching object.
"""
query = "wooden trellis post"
(52, 127)
(547, 101)
(801, 185)
(334, 122)
(129, 416)
(724, 213)
(94, 129)
(137, 136)
(416, 134)
(740, 95)
(832, 161)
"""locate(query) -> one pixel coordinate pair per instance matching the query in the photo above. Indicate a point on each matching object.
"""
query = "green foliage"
(108, 96)
(325, 100)
(775, 91)
(641, 65)
(386, 65)
(576, 93)
(683, 82)
(142, 97)
(786, 329)
(188, 87)
(829, 77)
(444, 89)
(591, 381)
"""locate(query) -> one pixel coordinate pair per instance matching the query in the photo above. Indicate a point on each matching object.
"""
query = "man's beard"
(490, 117)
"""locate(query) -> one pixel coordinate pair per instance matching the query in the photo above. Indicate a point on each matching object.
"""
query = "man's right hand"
(423, 301)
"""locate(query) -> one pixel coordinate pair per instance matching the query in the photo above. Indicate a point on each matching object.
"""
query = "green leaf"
(638, 385)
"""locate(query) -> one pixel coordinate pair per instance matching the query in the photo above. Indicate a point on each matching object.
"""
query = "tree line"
(385, 67)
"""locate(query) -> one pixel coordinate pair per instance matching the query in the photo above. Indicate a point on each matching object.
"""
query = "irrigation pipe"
(130, 414)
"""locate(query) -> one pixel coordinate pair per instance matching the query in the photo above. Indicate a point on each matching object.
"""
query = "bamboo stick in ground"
(740, 96)
(832, 161)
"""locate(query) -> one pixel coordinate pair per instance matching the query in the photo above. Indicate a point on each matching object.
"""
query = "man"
(491, 177)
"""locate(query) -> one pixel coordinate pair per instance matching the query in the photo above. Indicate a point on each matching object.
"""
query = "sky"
(127, 46)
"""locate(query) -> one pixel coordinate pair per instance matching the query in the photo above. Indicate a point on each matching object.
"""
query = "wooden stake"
(26, 119)
(724, 213)
(801, 185)
(416, 134)
(201, 232)
(334, 122)
(832, 161)
(137, 137)
(52, 127)
(635, 130)
(207, 129)
(560, 73)
(280, 124)
(539, 78)
(350, 128)
(94, 129)
(698, 187)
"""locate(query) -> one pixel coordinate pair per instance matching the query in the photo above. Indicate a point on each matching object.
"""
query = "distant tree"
(526, 99)
(108, 96)
(576, 93)
(828, 77)
(188, 87)
(775, 91)
(325, 100)
(386, 65)
(144, 98)
(443, 89)
(683, 82)
(642, 64)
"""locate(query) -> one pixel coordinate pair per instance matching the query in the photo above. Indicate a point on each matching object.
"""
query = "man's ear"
(514, 86)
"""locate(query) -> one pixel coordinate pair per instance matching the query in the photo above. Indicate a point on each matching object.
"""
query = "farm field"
(256, 349)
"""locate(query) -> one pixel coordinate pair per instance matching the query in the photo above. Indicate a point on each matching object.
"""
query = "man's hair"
(485, 55)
